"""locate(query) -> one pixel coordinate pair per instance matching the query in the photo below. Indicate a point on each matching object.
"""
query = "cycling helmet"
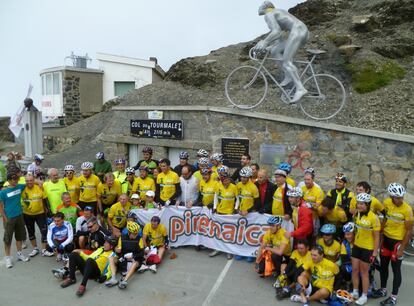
(112, 240)
(132, 227)
(38, 157)
(147, 150)
(183, 155)
(130, 170)
(206, 171)
(328, 229)
(217, 156)
(134, 196)
(150, 193)
(246, 172)
(156, 219)
(274, 220)
(295, 192)
(100, 155)
(202, 153)
(203, 161)
(342, 177)
(396, 190)
(363, 197)
(309, 170)
(348, 227)
(87, 166)
(132, 215)
(69, 168)
(285, 167)
(120, 161)
(223, 171)
(280, 172)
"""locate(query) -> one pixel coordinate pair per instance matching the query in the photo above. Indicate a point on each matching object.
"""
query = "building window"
(122, 88)
(51, 84)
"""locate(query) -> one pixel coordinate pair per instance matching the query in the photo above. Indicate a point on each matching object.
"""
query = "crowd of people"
(338, 240)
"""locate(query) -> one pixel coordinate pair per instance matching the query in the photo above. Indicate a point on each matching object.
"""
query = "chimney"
(153, 59)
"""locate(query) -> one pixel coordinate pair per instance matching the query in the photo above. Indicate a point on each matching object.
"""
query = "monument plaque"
(233, 149)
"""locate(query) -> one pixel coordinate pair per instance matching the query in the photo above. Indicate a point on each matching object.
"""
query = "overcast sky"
(35, 35)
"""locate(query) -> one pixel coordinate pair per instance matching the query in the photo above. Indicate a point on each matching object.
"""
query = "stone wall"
(5, 133)
(71, 99)
(379, 158)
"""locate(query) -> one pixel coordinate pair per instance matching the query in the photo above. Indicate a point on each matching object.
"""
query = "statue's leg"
(294, 42)
(277, 53)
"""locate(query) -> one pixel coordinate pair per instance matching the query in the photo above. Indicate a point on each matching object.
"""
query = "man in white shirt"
(189, 188)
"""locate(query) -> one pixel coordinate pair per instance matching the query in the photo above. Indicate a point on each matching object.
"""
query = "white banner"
(233, 234)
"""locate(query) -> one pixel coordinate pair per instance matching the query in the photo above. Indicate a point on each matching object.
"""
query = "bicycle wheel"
(325, 98)
(246, 87)
(409, 248)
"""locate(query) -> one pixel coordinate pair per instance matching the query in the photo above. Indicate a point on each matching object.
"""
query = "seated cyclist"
(317, 280)
(60, 237)
(274, 249)
(288, 278)
(154, 237)
(331, 247)
(130, 253)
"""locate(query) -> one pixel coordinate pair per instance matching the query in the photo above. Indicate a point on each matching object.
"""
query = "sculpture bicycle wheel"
(325, 98)
(246, 87)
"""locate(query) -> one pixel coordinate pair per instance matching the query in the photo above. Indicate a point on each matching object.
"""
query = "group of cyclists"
(88, 222)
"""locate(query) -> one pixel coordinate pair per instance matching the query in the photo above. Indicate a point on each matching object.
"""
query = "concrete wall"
(377, 157)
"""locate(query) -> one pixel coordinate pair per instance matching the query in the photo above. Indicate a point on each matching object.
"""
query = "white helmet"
(87, 166)
(130, 170)
(38, 157)
(295, 192)
(246, 172)
(223, 171)
(202, 153)
(203, 161)
(396, 190)
(69, 168)
(363, 197)
(99, 155)
(217, 156)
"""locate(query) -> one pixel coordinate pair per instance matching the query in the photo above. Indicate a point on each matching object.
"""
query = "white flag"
(16, 123)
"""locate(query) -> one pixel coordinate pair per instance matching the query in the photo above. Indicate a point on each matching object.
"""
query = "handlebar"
(254, 54)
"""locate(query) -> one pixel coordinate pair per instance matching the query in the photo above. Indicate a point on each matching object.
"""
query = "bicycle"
(246, 87)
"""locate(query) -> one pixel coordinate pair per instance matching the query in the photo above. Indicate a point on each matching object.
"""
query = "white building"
(122, 74)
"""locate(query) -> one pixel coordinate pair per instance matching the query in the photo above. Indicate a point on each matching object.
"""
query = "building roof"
(104, 57)
(71, 68)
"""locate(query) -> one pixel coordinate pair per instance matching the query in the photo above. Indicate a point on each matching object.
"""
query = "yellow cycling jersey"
(376, 205)
(128, 187)
(73, 187)
(117, 213)
(198, 175)
(32, 201)
(53, 193)
(339, 196)
(323, 273)
(22, 181)
(119, 245)
(226, 198)
(336, 216)
(88, 188)
(120, 176)
(301, 260)
(247, 194)
(109, 195)
(167, 182)
(290, 181)
(141, 186)
(332, 251)
(155, 237)
(365, 227)
(344, 250)
(394, 227)
(277, 239)
(313, 195)
(277, 204)
(207, 190)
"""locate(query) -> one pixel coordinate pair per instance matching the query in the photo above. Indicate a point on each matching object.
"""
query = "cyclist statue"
(279, 20)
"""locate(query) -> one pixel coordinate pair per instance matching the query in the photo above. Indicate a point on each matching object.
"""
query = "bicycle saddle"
(315, 51)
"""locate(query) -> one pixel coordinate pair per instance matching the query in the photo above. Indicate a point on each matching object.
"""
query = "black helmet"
(112, 240)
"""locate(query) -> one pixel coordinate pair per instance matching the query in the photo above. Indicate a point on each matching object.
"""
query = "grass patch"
(368, 76)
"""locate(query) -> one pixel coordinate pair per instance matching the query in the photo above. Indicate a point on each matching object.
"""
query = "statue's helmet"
(265, 5)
